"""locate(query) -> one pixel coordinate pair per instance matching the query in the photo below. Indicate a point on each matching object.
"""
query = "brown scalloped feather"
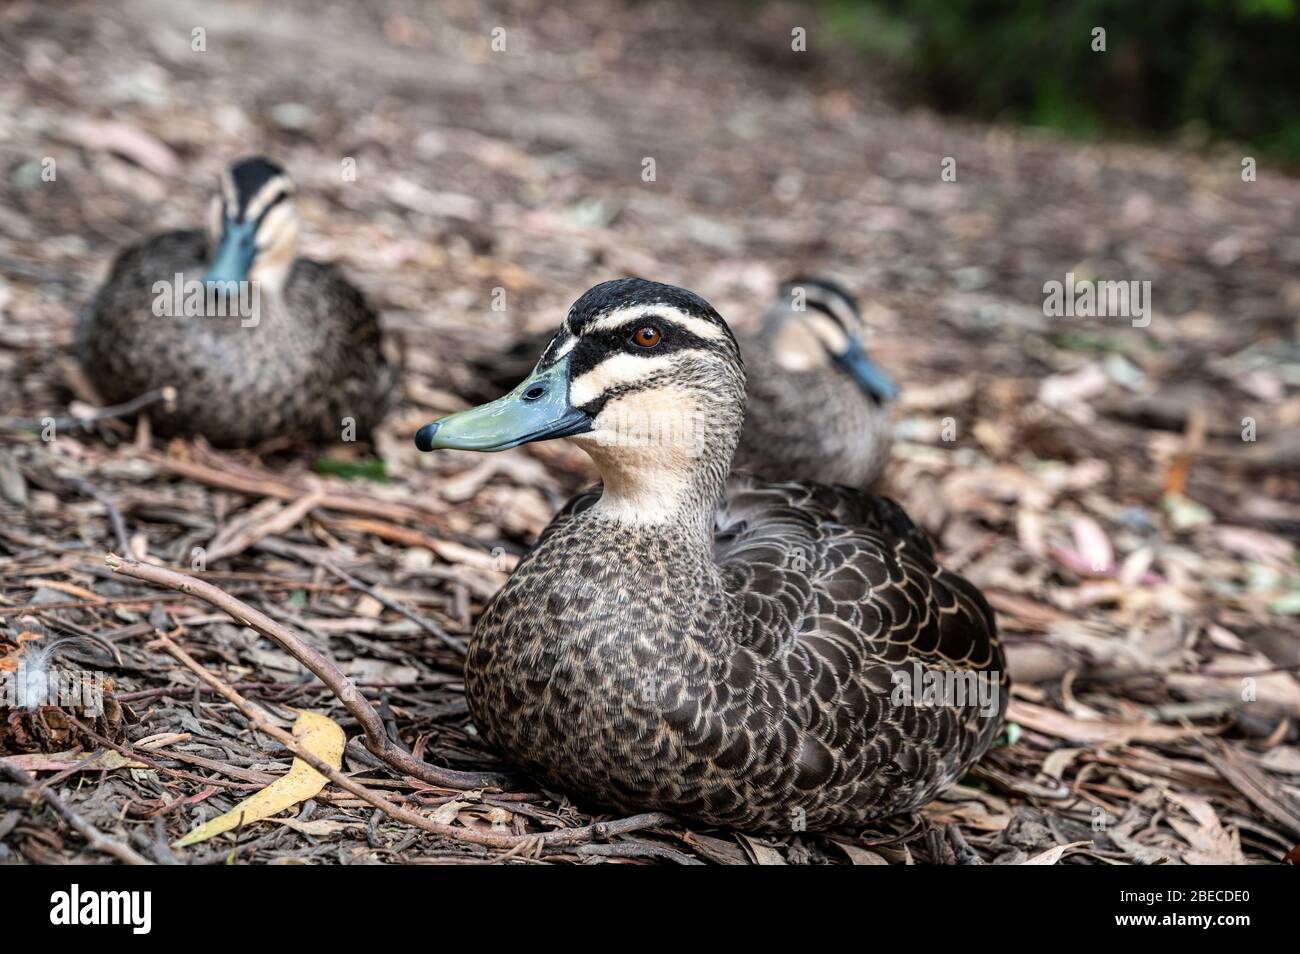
(751, 687)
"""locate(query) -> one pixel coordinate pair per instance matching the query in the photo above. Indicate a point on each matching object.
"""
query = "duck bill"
(863, 370)
(234, 255)
(537, 410)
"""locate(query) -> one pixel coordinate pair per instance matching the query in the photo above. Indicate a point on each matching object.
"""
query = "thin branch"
(283, 690)
(262, 484)
(92, 415)
(358, 706)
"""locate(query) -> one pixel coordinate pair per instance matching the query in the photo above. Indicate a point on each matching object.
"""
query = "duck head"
(647, 379)
(253, 226)
(817, 323)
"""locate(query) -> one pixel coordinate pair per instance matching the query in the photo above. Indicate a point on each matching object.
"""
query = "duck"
(259, 343)
(807, 362)
(808, 365)
(765, 656)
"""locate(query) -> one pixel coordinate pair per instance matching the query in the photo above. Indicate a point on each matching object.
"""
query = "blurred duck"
(719, 647)
(258, 343)
(818, 405)
(807, 363)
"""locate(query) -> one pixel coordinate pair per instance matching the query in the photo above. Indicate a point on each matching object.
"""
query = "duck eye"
(647, 337)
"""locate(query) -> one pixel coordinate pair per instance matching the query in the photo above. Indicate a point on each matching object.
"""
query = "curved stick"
(358, 706)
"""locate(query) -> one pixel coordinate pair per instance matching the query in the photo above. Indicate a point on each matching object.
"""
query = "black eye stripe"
(823, 288)
(280, 196)
(597, 404)
(592, 349)
(240, 213)
(827, 310)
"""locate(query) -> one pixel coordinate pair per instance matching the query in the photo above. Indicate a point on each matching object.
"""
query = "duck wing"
(810, 560)
(842, 603)
(344, 371)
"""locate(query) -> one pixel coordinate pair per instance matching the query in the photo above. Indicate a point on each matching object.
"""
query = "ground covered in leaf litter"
(1141, 554)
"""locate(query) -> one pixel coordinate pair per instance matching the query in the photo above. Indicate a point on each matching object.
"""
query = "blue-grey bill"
(865, 372)
(234, 255)
(537, 409)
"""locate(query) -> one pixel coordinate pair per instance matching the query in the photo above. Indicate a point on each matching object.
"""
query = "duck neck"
(666, 482)
(668, 499)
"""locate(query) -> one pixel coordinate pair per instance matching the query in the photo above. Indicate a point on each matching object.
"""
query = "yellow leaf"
(319, 735)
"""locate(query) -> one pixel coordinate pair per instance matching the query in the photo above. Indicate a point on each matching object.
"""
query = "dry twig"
(358, 706)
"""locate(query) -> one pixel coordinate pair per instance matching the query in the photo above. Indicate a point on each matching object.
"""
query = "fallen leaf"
(1093, 545)
(1052, 855)
(761, 853)
(1057, 762)
(1211, 843)
(446, 813)
(142, 148)
(1284, 759)
(1062, 726)
(1074, 390)
(1185, 513)
(1263, 792)
(1253, 543)
(860, 856)
(319, 735)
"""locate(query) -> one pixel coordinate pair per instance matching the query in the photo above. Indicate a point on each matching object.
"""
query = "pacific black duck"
(818, 405)
(258, 342)
(742, 653)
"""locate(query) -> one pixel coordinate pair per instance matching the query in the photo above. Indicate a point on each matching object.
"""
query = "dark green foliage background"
(1229, 68)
